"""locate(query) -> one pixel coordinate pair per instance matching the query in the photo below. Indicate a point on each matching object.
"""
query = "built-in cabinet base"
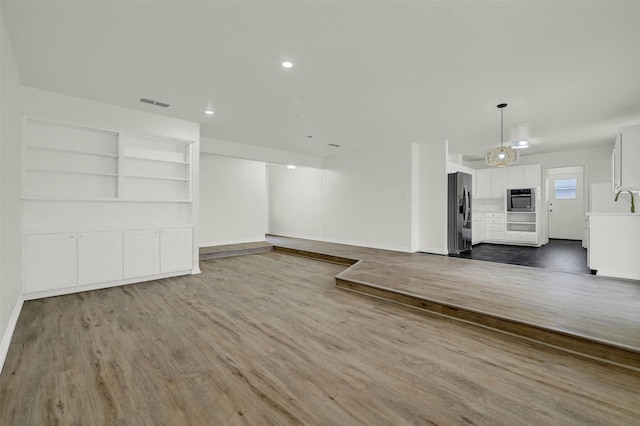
(60, 263)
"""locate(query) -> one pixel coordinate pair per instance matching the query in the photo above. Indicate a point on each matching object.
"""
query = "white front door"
(566, 203)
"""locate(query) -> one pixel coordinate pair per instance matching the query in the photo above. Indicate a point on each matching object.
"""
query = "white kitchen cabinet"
(625, 159)
(528, 238)
(498, 182)
(529, 176)
(477, 227)
(50, 261)
(176, 249)
(141, 253)
(483, 183)
(491, 183)
(99, 257)
(494, 226)
(614, 244)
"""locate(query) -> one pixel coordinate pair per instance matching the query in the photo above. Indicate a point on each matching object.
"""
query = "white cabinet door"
(498, 182)
(51, 261)
(176, 249)
(477, 228)
(515, 177)
(99, 257)
(524, 176)
(483, 183)
(626, 173)
(614, 246)
(141, 253)
(532, 176)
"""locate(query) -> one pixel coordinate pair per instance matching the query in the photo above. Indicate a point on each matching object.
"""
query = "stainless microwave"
(521, 200)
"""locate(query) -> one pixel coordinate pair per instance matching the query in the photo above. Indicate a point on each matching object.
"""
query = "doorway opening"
(564, 190)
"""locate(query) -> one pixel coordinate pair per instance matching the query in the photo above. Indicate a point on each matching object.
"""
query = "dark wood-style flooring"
(268, 339)
(559, 255)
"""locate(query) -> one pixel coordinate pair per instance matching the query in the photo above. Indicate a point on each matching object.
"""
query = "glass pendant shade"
(503, 156)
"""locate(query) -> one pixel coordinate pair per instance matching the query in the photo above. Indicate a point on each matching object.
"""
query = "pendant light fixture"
(502, 156)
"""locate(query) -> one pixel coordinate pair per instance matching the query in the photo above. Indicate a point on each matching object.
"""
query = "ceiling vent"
(152, 102)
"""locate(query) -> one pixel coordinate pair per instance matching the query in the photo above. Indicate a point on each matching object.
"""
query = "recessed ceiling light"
(209, 112)
(520, 145)
(291, 167)
(287, 64)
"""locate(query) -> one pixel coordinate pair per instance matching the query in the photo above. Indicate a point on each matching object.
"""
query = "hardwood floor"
(597, 316)
(268, 339)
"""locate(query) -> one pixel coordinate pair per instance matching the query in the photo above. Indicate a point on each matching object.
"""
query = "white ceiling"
(366, 73)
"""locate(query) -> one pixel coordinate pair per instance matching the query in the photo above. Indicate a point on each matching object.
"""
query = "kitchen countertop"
(613, 214)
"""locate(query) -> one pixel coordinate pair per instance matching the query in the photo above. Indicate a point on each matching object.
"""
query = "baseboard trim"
(362, 244)
(8, 333)
(230, 242)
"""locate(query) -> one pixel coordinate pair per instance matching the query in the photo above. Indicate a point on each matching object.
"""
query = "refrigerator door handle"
(465, 206)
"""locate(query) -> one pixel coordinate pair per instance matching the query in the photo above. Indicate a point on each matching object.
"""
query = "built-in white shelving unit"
(72, 162)
(521, 221)
(92, 194)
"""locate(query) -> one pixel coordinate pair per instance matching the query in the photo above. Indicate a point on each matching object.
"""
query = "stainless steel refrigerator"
(459, 213)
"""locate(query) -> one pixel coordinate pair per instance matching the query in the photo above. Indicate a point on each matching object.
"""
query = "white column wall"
(295, 201)
(233, 200)
(10, 202)
(433, 197)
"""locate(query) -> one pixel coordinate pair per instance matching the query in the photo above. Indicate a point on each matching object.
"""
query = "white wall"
(433, 160)
(250, 152)
(43, 104)
(295, 201)
(392, 198)
(10, 177)
(366, 198)
(233, 200)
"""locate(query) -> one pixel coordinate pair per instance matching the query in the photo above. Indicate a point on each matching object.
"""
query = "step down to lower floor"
(229, 250)
(318, 256)
(579, 345)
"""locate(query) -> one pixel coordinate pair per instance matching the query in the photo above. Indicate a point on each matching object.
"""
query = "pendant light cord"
(501, 127)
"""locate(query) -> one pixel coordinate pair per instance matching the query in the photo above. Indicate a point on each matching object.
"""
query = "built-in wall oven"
(521, 200)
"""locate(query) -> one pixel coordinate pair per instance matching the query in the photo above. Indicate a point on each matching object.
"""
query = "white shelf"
(520, 223)
(103, 200)
(156, 177)
(160, 160)
(71, 151)
(72, 172)
(58, 230)
(144, 200)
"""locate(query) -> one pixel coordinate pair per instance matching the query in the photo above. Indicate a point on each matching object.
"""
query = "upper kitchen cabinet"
(491, 183)
(626, 154)
(529, 176)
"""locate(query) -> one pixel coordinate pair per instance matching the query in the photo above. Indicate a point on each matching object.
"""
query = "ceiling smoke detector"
(154, 102)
